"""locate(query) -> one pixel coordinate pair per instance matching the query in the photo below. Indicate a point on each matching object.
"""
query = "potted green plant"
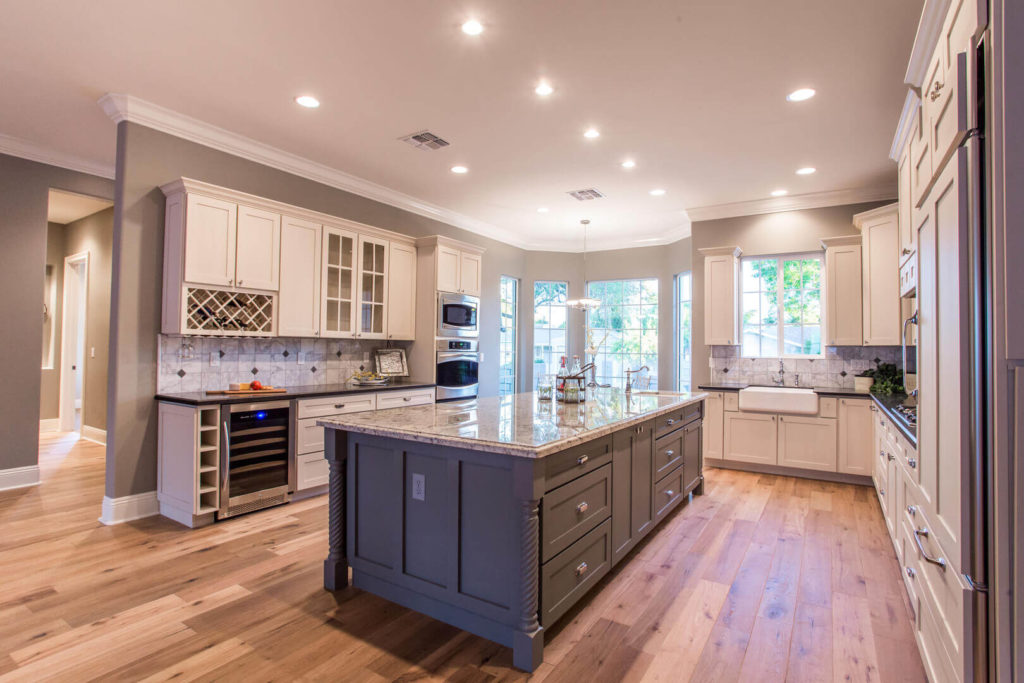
(884, 379)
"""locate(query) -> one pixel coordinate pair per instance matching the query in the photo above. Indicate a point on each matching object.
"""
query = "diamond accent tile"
(285, 353)
(338, 354)
(843, 373)
(877, 360)
(313, 369)
(221, 352)
(725, 369)
(255, 371)
(181, 373)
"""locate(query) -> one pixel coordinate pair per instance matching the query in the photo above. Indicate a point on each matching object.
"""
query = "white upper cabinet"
(258, 249)
(338, 283)
(908, 237)
(843, 291)
(458, 270)
(372, 279)
(881, 275)
(401, 323)
(721, 274)
(210, 233)
(299, 309)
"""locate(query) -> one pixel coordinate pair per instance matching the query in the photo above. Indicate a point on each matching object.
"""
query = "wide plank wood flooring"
(763, 578)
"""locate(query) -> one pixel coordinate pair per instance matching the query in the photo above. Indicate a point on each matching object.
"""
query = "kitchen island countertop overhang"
(497, 514)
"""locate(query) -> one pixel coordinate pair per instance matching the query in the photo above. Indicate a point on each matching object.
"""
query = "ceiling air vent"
(584, 195)
(425, 140)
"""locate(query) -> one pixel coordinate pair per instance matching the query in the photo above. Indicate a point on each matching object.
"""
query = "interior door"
(258, 254)
(210, 234)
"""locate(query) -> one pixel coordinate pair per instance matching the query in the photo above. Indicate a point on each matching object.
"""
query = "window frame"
(533, 318)
(515, 332)
(655, 378)
(780, 303)
(677, 302)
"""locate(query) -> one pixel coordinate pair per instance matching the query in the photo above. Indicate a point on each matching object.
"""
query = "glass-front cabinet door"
(338, 299)
(373, 277)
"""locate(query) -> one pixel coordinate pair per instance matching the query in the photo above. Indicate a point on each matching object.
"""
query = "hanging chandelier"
(585, 303)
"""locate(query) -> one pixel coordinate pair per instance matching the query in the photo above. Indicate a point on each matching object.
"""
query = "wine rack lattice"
(220, 312)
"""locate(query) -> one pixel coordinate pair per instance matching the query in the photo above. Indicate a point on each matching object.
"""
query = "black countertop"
(887, 404)
(197, 398)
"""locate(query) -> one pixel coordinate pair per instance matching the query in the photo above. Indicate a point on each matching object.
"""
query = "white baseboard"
(51, 424)
(18, 477)
(96, 435)
(127, 508)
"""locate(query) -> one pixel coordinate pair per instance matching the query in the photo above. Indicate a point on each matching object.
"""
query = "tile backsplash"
(185, 362)
(836, 370)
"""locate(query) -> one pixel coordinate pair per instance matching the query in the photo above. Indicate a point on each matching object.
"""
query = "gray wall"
(23, 210)
(773, 233)
(95, 234)
(49, 390)
(147, 159)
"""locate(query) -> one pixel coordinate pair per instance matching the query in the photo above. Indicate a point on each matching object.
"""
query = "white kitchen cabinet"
(751, 437)
(188, 462)
(258, 249)
(401, 310)
(458, 270)
(469, 273)
(721, 278)
(856, 436)
(843, 291)
(908, 238)
(372, 279)
(338, 283)
(210, 230)
(714, 423)
(299, 294)
(881, 275)
(807, 442)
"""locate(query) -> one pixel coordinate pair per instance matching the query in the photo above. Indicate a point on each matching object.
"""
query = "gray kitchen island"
(497, 514)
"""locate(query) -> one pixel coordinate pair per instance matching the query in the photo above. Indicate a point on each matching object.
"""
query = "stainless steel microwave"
(457, 315)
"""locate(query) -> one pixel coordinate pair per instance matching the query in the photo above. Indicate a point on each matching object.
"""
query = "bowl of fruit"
(368, 379)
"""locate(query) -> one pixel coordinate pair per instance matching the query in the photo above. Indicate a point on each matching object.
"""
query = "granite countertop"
(518, 425)
(887, 404)
(822, 391)
(196, 398)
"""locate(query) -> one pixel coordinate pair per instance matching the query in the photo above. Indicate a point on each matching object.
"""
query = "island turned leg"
(528, 641)
(336, 564)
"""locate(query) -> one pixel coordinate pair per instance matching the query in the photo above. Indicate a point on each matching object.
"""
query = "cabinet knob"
(239, 283)
(339, 406)
(881, 492)
(936, 91)
(582, 507)
(890, 456)
(581, 569)
(670, 452)
(911, 510)
(906, 251)
(910, 572)
(670, 421)
(582, 459)
(407, 398)
(912, 462)
(670, 493)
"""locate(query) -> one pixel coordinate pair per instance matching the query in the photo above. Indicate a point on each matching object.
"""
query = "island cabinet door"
(693, 457)
(632, 475)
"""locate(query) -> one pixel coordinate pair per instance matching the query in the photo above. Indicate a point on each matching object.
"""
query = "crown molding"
(815, 200)
(887, 211)
(17, 147)
(672, 236)
(899, 141)
(120, 107)
(735, 252)
(927, 36)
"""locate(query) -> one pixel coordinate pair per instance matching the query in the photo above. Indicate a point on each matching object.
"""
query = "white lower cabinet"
(714, 417)
(856, 432)
(807, 442)
(751, 437)
(311, 470)
(404, 399)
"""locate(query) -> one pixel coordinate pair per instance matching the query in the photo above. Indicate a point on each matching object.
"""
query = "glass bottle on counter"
(576, 371)
(560, 381)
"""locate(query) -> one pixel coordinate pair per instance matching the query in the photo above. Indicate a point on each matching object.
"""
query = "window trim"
(779, 258)
(677, 341)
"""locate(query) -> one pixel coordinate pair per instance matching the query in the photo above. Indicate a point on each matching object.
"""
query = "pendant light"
(585, 303)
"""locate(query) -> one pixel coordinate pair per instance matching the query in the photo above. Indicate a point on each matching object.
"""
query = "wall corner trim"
(128, 508)
(120, 107)
(95, 435)
(19, 477)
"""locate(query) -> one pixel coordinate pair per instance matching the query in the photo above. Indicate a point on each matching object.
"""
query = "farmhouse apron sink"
(779, 400)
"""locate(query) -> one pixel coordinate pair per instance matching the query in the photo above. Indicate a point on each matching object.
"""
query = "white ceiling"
(68, 207)
(694, 91)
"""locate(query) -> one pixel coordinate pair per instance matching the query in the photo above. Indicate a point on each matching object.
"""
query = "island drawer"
(668, 453)
(401, 399)
(335, 405)
(564, 466)
(668, 422)
(572, 510)
(567, 577)
(667, 494)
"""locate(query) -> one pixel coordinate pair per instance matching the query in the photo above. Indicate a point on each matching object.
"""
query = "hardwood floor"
(763, 578)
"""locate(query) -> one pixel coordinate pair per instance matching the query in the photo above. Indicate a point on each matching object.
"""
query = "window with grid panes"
(627, 320)
(782, 306)
(684, 350)
(550, 333)
(509, 300)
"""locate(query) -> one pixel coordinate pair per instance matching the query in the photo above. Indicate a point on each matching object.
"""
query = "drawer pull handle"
(670, 421)
(890, 456)
(670, 493)
(582, 460)
(936, 91)
(918, 533)
(407, 398)
(582, 569)
(910, 572)
(912, 462)
(881, 492)
(670, 452)
(582, 507)
(339, 406)
(911, 510)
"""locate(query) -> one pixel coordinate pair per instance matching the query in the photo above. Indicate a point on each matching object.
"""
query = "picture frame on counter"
(392, 363)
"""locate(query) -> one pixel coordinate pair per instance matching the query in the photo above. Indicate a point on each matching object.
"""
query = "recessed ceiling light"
(628, 163)
(542, 209)
(308, 101)
(472, 28)
(460, 169)
(806, 170)
(657, 192)
(591, 133)
(779, 193)
(800, 95)
(544, 89)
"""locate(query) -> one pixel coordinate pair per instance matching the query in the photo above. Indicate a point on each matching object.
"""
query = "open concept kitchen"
(659, 341)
